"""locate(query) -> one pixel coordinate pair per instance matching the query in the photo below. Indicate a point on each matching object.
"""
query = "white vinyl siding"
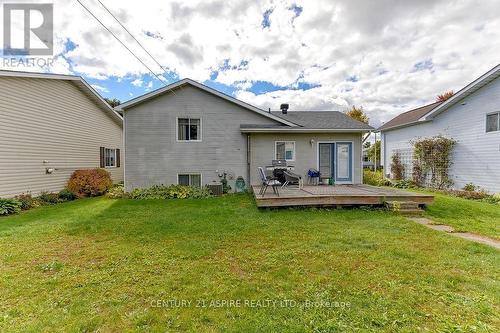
(50, 124)
(153, 155)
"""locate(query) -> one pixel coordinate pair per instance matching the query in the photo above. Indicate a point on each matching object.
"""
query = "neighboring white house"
(471, 117)
(50, 126)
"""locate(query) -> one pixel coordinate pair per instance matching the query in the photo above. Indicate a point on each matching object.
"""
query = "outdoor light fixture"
(312, 142)
(49, 170)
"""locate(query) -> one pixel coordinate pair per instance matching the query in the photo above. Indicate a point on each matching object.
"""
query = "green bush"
(27, 201)
(170, 192)
(90, 183)
(49, 198)
(66, 195)
(375, 178)
(117, 192)
(470, 187)
(404, 184)
(9, 206)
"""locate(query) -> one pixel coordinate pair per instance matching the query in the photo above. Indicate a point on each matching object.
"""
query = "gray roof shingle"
(322, 120)
(409, 117)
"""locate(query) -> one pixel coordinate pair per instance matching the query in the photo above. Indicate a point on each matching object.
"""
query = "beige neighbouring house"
(50, 126)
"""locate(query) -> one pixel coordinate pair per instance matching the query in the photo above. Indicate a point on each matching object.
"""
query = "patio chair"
(292, 178)
(266, 182)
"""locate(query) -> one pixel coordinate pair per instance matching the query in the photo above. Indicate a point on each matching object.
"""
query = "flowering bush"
(90, 183)
(170, 192)
(27, 201)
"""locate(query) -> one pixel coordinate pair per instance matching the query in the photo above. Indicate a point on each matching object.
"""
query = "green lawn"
(466, 215)
(107, 265)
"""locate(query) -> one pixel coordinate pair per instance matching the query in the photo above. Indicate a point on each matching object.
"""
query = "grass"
(465, 215)
(114, 265)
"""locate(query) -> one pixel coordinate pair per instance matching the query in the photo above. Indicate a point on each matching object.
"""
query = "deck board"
(336, 195)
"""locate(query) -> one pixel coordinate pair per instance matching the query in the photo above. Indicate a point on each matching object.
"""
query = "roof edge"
(462, 93)
(180, 83)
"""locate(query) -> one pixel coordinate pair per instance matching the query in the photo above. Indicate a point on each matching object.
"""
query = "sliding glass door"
(343, 162)
(335, 161)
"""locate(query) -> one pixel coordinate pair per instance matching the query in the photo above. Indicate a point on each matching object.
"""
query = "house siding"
(476, 156)
(153, 155)
(54, 121)
(262, 151)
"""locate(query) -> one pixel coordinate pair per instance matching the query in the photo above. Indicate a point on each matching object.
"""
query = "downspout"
(248, 160)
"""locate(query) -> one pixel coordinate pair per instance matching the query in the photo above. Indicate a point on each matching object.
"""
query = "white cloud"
(376, 42)
(137, 82)
(99, 88)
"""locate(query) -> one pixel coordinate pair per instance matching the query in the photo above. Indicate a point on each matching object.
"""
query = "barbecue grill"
(278, 168)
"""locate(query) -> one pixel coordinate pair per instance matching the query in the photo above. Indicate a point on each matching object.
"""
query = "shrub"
(49, 198)
(116, 192)
(9, 206)
(433, 157)
(470, 187)
(404, 184)
(375, 178)
(170, 192)
(397, 168)
(90, 183)
(66, 195)
(27, 201)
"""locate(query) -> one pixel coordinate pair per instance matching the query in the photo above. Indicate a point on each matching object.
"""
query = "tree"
(113, 102)
(373, 151)
(358, 114)
(445, 96)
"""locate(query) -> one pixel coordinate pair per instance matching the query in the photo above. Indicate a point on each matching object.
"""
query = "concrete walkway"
(465, 235)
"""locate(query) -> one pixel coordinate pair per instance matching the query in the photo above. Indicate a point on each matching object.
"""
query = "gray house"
(471, 117)
(188, 133)
(50, 126)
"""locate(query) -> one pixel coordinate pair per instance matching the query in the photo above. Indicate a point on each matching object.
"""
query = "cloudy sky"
(386, 55)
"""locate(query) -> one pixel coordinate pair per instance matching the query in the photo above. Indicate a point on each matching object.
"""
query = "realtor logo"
(28, 29)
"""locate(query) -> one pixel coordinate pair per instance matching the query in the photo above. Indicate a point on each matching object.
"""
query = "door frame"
(340, 182)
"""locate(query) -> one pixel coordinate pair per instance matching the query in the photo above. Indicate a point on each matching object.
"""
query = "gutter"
(305, 130)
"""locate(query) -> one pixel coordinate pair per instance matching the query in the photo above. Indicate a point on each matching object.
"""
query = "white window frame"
(106, 150)
(486, 122)
(177, 129)
(191, 174)
(285, 141)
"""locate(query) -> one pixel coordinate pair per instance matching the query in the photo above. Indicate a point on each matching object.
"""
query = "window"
(189, 179)
(285, 150)
(493, 122)
(188, 129)
(109, 157)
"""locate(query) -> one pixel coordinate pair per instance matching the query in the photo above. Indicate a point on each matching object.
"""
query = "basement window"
(192, 179)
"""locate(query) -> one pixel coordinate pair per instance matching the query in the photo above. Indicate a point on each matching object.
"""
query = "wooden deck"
(337, 195)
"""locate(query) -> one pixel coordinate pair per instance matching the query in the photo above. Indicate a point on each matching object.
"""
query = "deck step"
(404, 207)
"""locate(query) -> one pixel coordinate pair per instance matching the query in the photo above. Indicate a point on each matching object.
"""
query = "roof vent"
(284, 108)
